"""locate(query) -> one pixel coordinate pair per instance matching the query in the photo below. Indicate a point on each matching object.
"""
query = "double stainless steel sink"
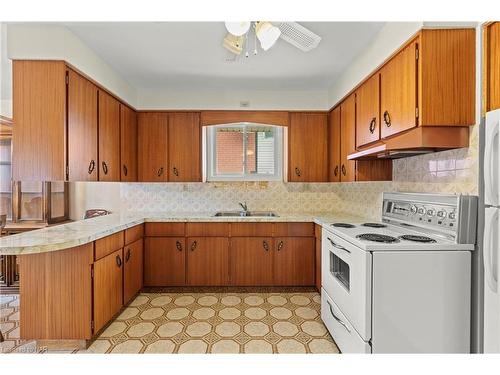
(246, 214)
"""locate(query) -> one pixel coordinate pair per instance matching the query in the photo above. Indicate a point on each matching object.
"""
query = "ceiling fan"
(240, 35)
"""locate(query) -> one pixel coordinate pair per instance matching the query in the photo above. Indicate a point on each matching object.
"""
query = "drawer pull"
(91, 166)
(338, 246)
(336, 171)
(193, 245)
(160, 172)
(125, 170)
(337, 318)
(373, 125)
(176, 171)
(297, 171)
(127, 257)
(178, 245)
(387, 119)
(104, 167)
(344, 171)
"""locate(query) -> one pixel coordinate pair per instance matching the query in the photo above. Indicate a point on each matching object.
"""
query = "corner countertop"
(78, 233)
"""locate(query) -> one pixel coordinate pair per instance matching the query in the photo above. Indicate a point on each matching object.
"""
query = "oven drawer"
(346, 277)
(342, 331)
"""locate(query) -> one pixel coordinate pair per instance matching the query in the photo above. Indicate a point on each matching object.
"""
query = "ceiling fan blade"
(299, 36)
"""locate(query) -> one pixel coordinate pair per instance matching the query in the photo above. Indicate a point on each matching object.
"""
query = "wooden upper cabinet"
(109, 137)
(82, 128)
(334, 145)
(152, 147)
(491, 72)
(398, 92)
(367, 111)
(308, 155)
(348, 138)
(128, 144)
(184, 147)
(39, 117)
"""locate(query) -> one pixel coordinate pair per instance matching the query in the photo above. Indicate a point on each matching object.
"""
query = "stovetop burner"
(416, 238)
(374, 225)
(343, 225)
(377, 237)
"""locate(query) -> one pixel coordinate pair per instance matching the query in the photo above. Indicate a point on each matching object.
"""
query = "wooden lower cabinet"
(108, 288)
(251, 261)
(207, 261)
(294, 261)
(132, 269)
(164, 261)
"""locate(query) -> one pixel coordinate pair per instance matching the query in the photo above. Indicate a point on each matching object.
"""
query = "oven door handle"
(338, 246)
(337, 318)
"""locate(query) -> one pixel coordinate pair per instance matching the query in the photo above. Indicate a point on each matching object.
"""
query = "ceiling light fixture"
(267, 34)
(238, 28)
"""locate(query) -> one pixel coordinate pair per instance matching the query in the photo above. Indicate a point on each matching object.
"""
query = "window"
(244, 152)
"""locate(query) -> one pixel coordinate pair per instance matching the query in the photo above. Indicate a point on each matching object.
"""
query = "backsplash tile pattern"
(452, 171)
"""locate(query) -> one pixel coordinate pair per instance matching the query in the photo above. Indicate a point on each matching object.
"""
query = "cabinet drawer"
(294, 229)
(165, 229)
(107, 245)
(134, 233)
(207, 229)
(251, 229)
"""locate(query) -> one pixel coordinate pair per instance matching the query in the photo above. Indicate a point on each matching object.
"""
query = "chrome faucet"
(244, 206)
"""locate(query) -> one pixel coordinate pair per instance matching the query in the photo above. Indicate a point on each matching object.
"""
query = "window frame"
(211, 149)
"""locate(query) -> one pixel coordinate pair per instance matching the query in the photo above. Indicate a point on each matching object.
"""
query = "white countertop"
(77, 233)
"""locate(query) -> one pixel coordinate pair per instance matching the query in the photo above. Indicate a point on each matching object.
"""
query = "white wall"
(50, 41)
(88, 195)
(230, 99)
(5, 75)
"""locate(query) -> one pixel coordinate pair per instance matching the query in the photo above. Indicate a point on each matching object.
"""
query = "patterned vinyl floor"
(206, 322)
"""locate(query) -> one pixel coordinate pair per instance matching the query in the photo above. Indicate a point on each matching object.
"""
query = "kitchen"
(217, 205)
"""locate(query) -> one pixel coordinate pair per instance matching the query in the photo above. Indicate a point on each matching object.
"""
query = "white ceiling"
(189, 55)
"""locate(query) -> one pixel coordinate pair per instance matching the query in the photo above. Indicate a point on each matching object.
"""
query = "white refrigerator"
(491, 244)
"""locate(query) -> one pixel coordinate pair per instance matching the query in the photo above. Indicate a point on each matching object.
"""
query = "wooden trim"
(280, 118)
(108, 245)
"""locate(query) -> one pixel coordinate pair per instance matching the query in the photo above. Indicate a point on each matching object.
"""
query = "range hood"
(417, 141)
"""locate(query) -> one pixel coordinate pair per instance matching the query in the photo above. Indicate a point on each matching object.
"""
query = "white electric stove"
(401, 284)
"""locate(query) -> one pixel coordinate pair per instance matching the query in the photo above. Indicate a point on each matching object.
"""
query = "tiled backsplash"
(453, 171)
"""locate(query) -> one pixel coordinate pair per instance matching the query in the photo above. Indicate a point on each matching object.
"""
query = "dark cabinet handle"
(179, 245)
(297, 171)
(127, 257)
(387, 119)
(104, 167)
(336, 171)
(125, 170)
(176, 171)
(193, 245)
(373, 125)
(344, 171)
(91, 166)
(280, 245)
(118, 261)
(265, 245)
(160, 172)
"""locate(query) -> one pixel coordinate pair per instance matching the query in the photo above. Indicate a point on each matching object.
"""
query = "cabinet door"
(348, 138)
(82, 129)
(164, 261)
(251, 261)
(109, 137)
(334, 145)
(207, 261)
(184, 149)
(132, 270)
(398, 92)
(493, 66)
(108, 288)
(128, 144)
(308, 156)
(294, 261)
(367, 112)
(152, 147)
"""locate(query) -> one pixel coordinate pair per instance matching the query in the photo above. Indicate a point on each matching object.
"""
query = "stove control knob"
(431, 212)
(452, 216)
(421, 211)
(413, 209)
(441, 214)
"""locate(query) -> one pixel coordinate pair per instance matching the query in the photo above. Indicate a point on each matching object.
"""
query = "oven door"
(346, 277)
